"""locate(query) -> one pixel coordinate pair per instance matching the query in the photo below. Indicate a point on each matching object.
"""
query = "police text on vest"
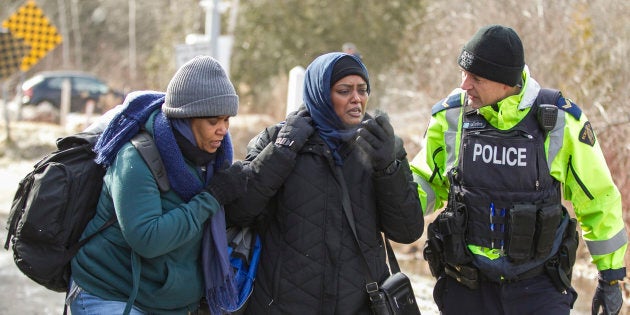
(501, 156)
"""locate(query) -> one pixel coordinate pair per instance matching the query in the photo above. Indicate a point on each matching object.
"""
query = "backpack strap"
(143, 142)
(145, 145)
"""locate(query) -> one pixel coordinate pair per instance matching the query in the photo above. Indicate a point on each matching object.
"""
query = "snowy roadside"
(32, 141)
(27, 297)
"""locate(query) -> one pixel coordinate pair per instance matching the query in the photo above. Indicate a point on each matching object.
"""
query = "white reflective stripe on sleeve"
(428, 190)
(556, 137)
(608, 246)
(450, 136)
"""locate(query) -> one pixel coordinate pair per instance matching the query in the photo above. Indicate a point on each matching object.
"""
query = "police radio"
(547, 116)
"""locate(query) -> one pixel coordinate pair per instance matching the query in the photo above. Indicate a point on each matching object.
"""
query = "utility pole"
(5, 98)
(65, 47)
(213, 24)
(76, 34)
(132, 41)
(211, 42)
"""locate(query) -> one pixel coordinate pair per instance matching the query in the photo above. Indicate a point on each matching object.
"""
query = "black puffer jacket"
(310, 261)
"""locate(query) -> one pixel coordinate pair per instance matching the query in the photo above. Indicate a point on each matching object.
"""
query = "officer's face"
(482, 92)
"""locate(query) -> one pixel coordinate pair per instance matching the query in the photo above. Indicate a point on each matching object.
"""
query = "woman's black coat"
(310, 262)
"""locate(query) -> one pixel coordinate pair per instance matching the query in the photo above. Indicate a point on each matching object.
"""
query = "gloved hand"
(296, 130)
(376, 138)
(229, 184)
(608, 297)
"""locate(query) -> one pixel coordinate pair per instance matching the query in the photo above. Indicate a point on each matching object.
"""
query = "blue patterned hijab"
(317, 83)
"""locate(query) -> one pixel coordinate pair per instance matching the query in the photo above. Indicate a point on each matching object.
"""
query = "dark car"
(44, 90)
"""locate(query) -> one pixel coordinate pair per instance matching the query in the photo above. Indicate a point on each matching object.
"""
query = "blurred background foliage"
(304, 29)
(410, 48)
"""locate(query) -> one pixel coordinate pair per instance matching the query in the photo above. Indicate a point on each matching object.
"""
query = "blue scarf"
(221, 290)
(318, 102)
(137, 108)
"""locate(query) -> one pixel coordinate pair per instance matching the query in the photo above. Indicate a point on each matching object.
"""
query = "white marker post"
(296, 89)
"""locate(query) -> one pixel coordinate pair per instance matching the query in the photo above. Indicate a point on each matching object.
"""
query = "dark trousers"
(535, 295)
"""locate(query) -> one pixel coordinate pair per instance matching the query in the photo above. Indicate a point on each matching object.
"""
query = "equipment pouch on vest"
(560, 267)
(521, 227)
(568, 248)
(433, 251)
(452, 225)
(466, 275)
(547, 220)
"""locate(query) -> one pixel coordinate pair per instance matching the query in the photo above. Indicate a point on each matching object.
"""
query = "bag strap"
(145, 145)
(391, 257)
(143, 142)
(371, 286)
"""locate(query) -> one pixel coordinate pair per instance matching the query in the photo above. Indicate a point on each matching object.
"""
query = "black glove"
(229, 184)
(608, 297)
(376, 138)
(296, 130)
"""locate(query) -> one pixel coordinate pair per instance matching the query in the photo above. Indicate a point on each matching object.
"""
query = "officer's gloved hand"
(296, 130)
(608, 297)
(376, 138)
(229, 184)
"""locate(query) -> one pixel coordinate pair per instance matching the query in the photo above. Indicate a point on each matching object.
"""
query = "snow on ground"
(32, 140)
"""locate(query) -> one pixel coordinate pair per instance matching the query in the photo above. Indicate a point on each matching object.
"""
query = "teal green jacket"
(573, 154)
(156, 234)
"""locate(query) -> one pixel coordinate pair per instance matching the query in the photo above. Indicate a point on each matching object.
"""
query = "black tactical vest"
(512, 202)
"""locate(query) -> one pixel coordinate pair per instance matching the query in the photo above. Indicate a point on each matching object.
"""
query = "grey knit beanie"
(200, 88)
(496, 53)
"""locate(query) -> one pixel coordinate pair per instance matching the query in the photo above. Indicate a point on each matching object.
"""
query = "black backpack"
(54, 203)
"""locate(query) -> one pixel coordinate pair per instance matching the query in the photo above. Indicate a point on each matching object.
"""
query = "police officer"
(501, 151)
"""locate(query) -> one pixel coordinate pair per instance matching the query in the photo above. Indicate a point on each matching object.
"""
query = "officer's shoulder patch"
(587, 135)
(568, 106)
(453, 101)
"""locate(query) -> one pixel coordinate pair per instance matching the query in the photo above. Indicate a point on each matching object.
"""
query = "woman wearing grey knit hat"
(501, 152)
(149, 261)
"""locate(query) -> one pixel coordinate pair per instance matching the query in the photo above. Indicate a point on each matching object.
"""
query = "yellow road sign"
(12, 51)
(30, 24)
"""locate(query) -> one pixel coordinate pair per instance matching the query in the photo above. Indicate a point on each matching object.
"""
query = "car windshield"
(91, 85)
(55, 83)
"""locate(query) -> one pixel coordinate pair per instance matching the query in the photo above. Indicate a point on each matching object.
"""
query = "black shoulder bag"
(395, 294)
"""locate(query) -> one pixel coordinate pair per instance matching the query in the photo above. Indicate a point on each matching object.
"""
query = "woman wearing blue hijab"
(311, 263)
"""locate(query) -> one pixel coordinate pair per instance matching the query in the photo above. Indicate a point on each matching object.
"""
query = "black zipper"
(579, 181)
